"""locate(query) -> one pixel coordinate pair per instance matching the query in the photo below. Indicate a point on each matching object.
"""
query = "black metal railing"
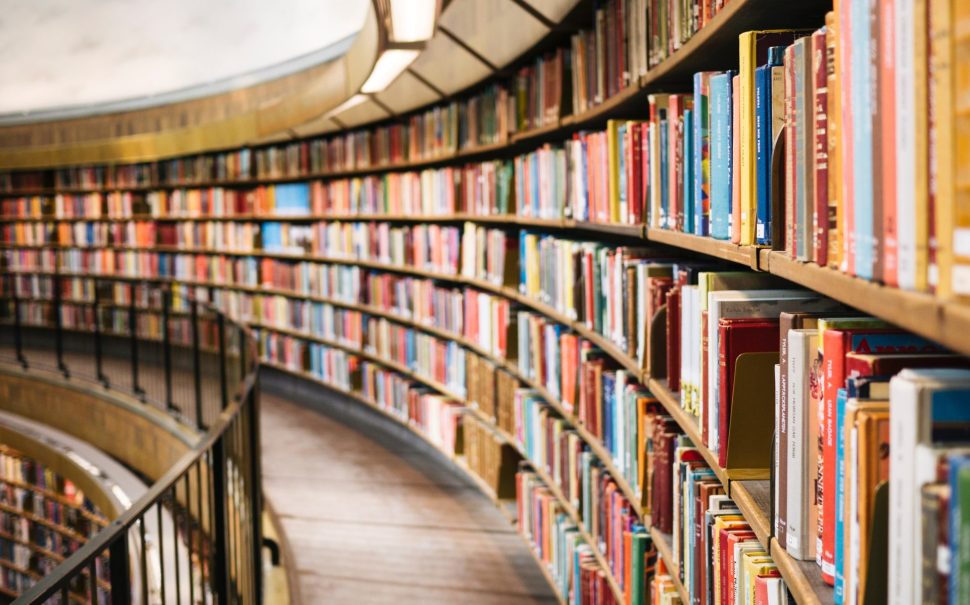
(195, 536)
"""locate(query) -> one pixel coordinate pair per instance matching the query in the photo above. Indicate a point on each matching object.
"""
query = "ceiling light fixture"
(353, 101)
(388, 67)
(413, 20)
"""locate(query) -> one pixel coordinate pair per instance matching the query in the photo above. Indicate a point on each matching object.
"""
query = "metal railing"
(195, 536)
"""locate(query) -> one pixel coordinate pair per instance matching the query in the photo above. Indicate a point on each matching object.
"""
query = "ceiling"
(97, 56)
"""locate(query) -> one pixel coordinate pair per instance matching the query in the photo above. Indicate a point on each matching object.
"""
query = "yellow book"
(754, 565)
(951, 21)
(833, 124)
(941, 80)
(613, 152)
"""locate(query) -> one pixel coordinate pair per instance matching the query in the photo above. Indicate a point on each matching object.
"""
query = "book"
(721, 171)
(921, 402)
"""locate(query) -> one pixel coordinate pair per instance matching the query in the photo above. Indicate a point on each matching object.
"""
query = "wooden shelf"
(724, 250)
(715, 46)
(921, 313)
(688, 423)
(665, 551)
(753, 497)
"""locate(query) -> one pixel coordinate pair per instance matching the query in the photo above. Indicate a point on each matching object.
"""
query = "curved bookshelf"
(714, 46)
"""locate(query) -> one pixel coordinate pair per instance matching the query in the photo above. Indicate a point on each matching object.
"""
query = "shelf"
(753, 497)
(665, 551)
(919, 312)
(60, 498)
(688, 423)
(64, 531)
(715, 46)
(803, 578)
(724, 250)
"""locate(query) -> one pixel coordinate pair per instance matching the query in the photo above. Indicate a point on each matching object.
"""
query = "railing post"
(197, 365)
(118, 569)
(167, 347)
(18, 337)
(58, 320)
(242, 353)
(220, 567)
(98, 361)
(133, 334)
(223, 384)
(256, 489)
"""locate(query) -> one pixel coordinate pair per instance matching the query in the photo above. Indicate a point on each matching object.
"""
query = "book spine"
(735, 216)
(685, 218)
(762, 143)
(821, 190)
(747, 54)
(833, 157)
(797, 397)
(956, 277)
(721, 156)
(833, 356)
(845, 68)
(790, 153)
(943, 200)
(887, 128)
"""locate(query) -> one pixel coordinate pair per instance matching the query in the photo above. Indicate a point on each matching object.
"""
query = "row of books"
(48, 508)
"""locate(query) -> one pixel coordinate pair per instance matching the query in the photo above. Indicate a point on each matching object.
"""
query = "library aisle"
(374, 517)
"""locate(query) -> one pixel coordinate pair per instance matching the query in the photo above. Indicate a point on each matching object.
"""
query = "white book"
(801, 517)
(739, 549)
(685, 338)
(912, 395)
(905, 89)
(777, 460)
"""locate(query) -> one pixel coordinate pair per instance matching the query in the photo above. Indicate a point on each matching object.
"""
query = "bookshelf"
(714, 46)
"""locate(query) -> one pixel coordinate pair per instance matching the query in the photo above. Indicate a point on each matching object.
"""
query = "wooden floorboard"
(374, 518)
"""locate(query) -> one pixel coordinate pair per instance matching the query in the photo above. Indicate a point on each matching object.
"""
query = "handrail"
(200, 522)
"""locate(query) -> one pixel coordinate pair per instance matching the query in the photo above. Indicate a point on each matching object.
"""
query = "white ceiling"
(114, 53)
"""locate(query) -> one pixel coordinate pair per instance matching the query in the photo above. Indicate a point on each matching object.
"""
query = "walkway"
(373, 516)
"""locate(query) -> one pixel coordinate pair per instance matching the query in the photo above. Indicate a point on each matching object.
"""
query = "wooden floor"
(374, 517)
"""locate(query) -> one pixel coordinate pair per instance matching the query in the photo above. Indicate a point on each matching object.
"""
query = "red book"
(889, 364)
(726, 541)
(738, 336)
(761, 587)
(673, 339)
(887, 127)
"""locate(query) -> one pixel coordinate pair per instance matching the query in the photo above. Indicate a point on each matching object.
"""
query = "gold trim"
(222, 121)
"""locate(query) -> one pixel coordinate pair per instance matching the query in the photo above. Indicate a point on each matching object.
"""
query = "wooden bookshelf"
(708, 246)
(713, 47)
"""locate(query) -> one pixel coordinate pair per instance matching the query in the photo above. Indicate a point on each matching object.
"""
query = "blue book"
(840, 400)
(272, 236)
(702, 153)
(292, 199)
(721, 155)
(862, 105)
(688, 207)
(764, 142)
(608, 387)
(959, 589)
